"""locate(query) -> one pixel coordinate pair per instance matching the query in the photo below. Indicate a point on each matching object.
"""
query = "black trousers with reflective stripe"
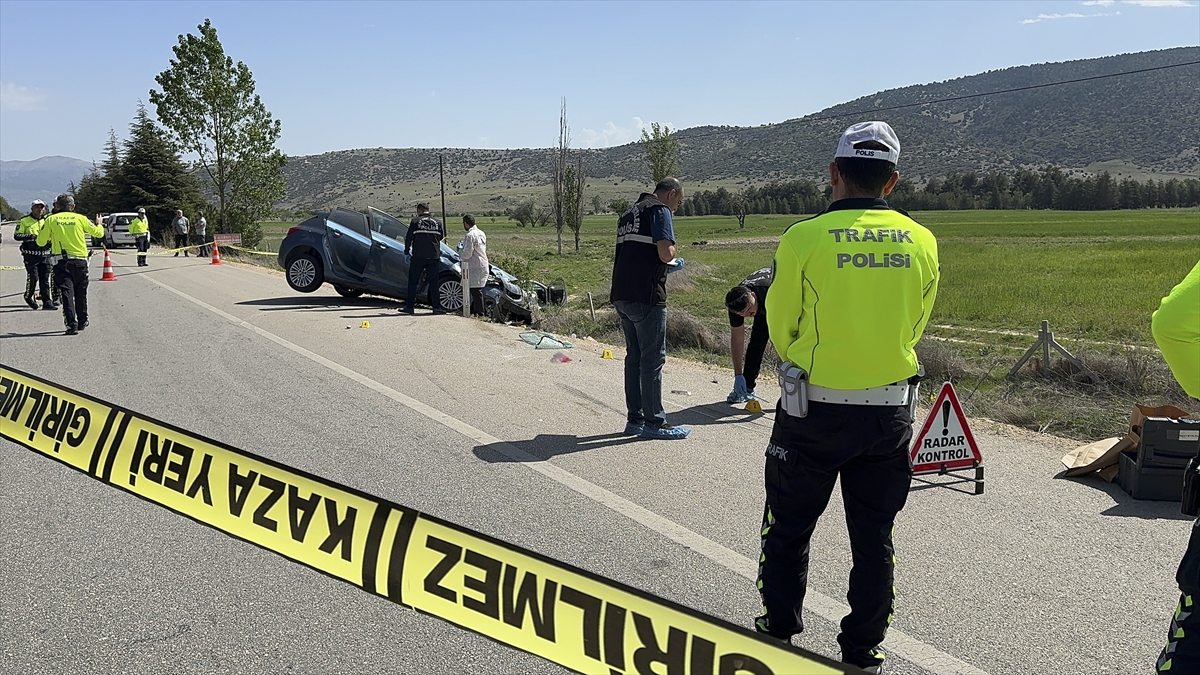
(71, 278)
(867, 447)
(37, 271)
(1182, 653)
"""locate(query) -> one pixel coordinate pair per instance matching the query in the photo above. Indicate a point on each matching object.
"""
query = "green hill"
(1136, 124)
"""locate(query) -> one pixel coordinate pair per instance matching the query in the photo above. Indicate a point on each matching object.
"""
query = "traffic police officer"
(866, 276)
(65, 231)
(37, 266)
(747, 300)
(139, 229)
(1176, 328)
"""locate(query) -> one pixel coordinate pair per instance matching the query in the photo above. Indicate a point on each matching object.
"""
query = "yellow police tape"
(566, 615)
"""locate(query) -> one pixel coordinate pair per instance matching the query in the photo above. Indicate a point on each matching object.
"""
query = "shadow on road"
(318, 303)
(1126, 506)
(720, 412)
(22, 335)
(545, 446)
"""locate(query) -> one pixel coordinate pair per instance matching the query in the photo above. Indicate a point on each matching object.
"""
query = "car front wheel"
(304, 273)
(347, 292)
(449, 293)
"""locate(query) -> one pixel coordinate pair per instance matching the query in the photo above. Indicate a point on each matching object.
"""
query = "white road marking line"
(898, 642)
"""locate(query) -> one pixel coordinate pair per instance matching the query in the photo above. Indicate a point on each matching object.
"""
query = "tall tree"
(154, 176)
(662, 150)
(575, 183)
(209, 109)
(7, 212)
(101, 190)
(559, 180)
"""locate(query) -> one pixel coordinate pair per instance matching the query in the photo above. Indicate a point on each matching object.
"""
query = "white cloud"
(1072, 15)
(15, 97)
(612, 134)
(1099, 3)
(1159, 3)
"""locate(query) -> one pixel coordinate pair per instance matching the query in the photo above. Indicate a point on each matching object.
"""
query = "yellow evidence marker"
(753, 406)
(365, 324)
(607, 354)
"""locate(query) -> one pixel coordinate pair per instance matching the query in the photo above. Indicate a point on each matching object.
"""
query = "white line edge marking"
(899, 643)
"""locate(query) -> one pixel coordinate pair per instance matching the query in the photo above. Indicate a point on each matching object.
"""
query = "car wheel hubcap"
(451, 295)
(302, 272)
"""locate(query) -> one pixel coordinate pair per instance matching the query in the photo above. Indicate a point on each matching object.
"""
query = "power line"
(941, 100)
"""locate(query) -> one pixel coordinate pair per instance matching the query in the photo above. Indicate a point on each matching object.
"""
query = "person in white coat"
(474, 256)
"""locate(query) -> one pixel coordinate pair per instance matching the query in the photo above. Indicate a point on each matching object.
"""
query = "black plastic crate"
(1143, 482)
(1168, 443)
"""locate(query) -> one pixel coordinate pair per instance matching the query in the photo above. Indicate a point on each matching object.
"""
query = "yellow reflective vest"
(853, 290)
(1176, 328)
(65, 232)
(27, 228)
(138, 226)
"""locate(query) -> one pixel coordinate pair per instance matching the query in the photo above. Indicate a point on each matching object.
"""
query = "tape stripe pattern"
(514, 596)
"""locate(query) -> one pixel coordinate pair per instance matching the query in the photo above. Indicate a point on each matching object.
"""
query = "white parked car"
(116, 229)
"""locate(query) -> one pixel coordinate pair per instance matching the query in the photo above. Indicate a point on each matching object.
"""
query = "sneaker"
(50, 305)
(407, 310)
(71, 331)
(83, 325)
(667, 433)
(30, 301)
(632, 429)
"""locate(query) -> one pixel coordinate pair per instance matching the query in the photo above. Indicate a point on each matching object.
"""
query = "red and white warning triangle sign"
(945, 441)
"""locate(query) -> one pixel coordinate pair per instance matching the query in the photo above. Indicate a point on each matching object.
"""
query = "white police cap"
(869, 131)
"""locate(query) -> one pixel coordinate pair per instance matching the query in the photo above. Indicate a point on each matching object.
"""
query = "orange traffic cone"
(108, 270)
(216, 256)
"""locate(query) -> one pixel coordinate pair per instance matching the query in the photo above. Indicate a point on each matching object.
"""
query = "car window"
(387, 225)
(351, 220)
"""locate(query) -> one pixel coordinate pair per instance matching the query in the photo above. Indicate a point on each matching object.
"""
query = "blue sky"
(490, 75)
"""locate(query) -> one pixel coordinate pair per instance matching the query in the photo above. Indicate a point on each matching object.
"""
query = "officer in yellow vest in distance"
(852, 292)
(139, 229)
(37, 265)
(66, 232)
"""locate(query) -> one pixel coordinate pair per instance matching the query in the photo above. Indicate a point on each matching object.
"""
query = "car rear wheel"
(347, 292)
(304, 273)
(449, 293)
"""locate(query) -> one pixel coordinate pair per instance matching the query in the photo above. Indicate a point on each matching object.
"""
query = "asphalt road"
(1036, 575)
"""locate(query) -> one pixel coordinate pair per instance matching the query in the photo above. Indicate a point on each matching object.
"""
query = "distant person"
(853, 290)
(37, 258)
(645, 253)
(201, 229)
(180, 224)
(744, 301)
(423, 248)
(139, 229)
(66, 234)
(1176, 328)
(474, 255)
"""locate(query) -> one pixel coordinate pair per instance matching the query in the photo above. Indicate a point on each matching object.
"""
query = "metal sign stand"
(1045, 341)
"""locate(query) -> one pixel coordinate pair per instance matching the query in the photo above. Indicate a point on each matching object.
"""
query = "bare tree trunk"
(580, 183)
(560, 174)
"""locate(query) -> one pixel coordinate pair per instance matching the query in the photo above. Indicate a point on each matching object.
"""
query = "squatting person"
(852, 293)
(37, 258)
(645, 253)
(744, 301)
(1176, 328)
(423, 247)
(65, 231)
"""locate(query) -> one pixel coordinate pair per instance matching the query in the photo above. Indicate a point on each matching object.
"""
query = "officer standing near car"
(852, 293)
(139, 229)
(66, 232)
(37, 263)
(747, 300)
(423, 248)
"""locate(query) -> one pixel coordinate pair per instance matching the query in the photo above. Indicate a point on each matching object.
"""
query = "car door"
(387, 268)
(349, 241)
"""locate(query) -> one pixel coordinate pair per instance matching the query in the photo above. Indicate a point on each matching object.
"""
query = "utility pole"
(442, 178)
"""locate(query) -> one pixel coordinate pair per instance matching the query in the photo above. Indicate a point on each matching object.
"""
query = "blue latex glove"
(407, 258)
(739, 393)
(675, 265)
(459, 248)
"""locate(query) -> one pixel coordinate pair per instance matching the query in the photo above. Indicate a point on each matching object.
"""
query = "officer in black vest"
(645, 254)
(423, 247)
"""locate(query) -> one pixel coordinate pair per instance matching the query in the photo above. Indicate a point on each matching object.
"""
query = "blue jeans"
(645, 328)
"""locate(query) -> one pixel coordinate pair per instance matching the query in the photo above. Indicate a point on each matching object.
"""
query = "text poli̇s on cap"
(880, 132)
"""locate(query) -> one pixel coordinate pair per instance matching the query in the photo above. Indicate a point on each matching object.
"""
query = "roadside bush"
(685, 330)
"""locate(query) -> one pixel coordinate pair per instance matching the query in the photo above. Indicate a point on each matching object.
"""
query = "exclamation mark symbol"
(946, 418)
